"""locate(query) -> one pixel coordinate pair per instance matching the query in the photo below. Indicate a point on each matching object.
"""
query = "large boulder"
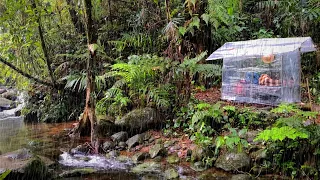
(233, 161)
(140, 119)
(11, 95)
(24, 165)
(108, 145)
(106, 126)
(5, 103)
(2, 91)
(120, 136)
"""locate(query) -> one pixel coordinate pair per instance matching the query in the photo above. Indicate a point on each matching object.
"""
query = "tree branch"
(24, 73)
(43, 45)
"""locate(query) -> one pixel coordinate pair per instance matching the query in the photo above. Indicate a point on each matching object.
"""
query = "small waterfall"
(10, 114)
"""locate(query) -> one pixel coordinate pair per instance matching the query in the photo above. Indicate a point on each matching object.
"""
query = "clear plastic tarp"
(262, 71)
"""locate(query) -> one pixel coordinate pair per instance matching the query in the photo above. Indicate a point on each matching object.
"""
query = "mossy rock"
(140, 119)
(77, 172)
(156, 150)
(171, 174)
(172, 159)
(35, 168)
(233, 161)
(140, 156)
(147, 167)
(106, 126)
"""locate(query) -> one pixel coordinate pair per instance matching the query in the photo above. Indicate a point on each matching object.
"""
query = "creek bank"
(152, 154)
(23, 164)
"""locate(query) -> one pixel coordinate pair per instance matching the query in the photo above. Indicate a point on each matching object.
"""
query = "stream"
(46, 140)
(51, 141)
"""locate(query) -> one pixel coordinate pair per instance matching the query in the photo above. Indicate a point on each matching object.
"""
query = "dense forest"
(104, 62)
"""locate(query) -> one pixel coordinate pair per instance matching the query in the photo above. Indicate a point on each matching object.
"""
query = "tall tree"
(89, 111)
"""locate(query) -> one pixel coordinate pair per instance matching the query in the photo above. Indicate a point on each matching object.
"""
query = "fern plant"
(142, 80)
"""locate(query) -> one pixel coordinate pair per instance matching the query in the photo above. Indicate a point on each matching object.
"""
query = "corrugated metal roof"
(260, 47)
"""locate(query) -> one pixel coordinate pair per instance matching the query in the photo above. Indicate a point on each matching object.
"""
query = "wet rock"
(140, 119)
(232, 161)
(251, 135)
(106, 126)
(17, 113)
(5, 103)
(185, 171)
(120, 136)
(122, 158)
(259, 154)
(113, 154)
(135, 140)
(147, 167)
(22, 166)
(175, 147)
(80, 149)
(157, 159)
(151, 177)
(209, 175)
(172, 159)
(167, 144)
(198, 153)
(122, 145)
(140, 156)
(156, 150)
(21, 154)
(36, 169)
(147, 136)
(11, 95)
(241, 177)
(2, 91)
(151, 139)
(2, 171)
(171, 174)
(158, 141)
(108, 145)
(77, 172)
(198, 166)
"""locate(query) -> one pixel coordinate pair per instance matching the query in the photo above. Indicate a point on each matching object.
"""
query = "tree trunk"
(74, 18)
(89, 111)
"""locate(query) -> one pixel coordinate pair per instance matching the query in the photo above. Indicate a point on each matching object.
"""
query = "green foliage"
(275, 134)
(232, 140)
(5, 174)
(114, 103)
(292, 136)
(139, 83)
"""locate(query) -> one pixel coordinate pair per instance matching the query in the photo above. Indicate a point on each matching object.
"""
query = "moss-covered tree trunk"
(88, 122)
(89, 111)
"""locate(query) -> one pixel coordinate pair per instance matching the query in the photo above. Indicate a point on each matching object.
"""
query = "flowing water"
(50, 140)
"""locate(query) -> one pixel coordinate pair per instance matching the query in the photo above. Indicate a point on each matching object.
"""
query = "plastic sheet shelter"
(263, 71)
